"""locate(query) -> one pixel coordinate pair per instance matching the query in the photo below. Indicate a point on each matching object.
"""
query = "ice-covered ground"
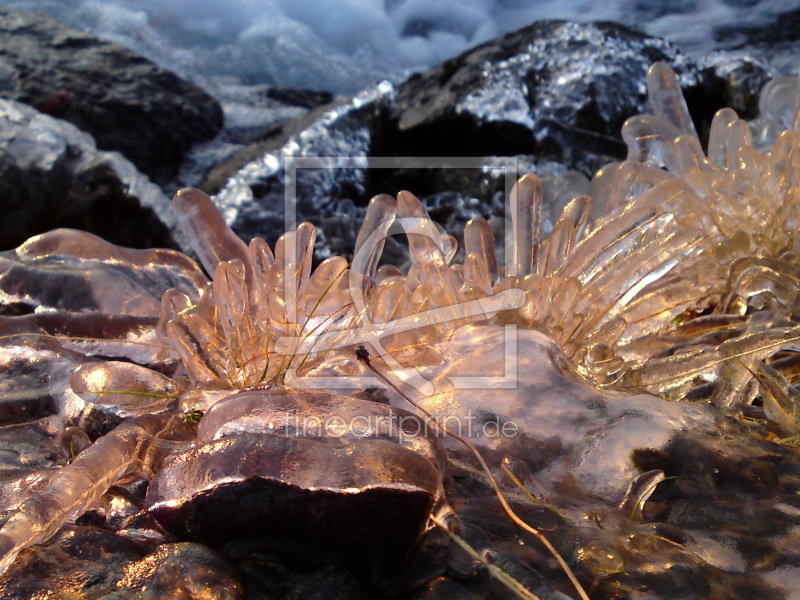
(344, 45)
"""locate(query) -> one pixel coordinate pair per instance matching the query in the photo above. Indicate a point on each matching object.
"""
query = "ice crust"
(663, 293)
(596, 431)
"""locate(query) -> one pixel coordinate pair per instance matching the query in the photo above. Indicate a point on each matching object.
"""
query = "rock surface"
(310, 476)
(91, 563)
(52, 175)
(125, 101)
(738, 80)
(553, 88)
(321, 190)
(549, 97)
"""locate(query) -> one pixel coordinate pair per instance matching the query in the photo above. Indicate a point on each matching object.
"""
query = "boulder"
(125, 101)
(773, 39)
(549, 97)
(312, 476)
(52, 175)
(554, 89)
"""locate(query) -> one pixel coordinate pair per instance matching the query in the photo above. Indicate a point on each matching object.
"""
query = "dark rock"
(80, 562)
(444, 589)
(330, 191)
(784, 28)
(738, 80)
(267, 578)
(125, 101)
(299, 97)
(554, 89)
(250, 493)
(179, 572)
(551, 93)
(90, 563)
(313, 477)
(52, 175)
(775, 40)
(25, 452)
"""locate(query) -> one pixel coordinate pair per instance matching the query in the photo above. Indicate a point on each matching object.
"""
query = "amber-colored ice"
(684, 284)
(131, 448)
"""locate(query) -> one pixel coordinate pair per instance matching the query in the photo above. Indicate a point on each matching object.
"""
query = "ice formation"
(685, 288)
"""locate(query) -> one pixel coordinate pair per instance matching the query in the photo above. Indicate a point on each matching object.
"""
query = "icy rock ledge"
(53, 175)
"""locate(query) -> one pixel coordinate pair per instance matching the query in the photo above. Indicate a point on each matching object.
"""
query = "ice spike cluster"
(686, 286)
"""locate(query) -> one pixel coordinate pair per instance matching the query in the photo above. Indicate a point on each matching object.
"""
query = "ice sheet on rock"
(256, 194)
(34, 378)
(300, 498)
(26, 456)
(77, 271)
(526, 385)
(38, 141)
(315, 414)
(94, 334)
(123, 390)
(130, 448)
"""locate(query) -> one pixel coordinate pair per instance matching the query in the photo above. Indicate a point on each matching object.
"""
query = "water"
(345, 45)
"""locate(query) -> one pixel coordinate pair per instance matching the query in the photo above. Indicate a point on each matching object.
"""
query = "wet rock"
(179, 572)
(25, 452)
(83, 562)
(267, 578)
(90, 563)
(444, 589)
(775, 39)
(553, 93)
(268, 178)
(254, 115)
(738, 79)
(52, 175)
(555, 89)
(298, 97)
(299, 498)
(743, 494)
(125, 101)
(324, 491)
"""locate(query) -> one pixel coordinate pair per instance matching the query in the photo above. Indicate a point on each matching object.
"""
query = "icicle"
(479, 240)
(380, 214)
(425, 247)
(526, 213)
(718, 137)
(666, 98)
(557, 247)
(203, 225)
(72, 489)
